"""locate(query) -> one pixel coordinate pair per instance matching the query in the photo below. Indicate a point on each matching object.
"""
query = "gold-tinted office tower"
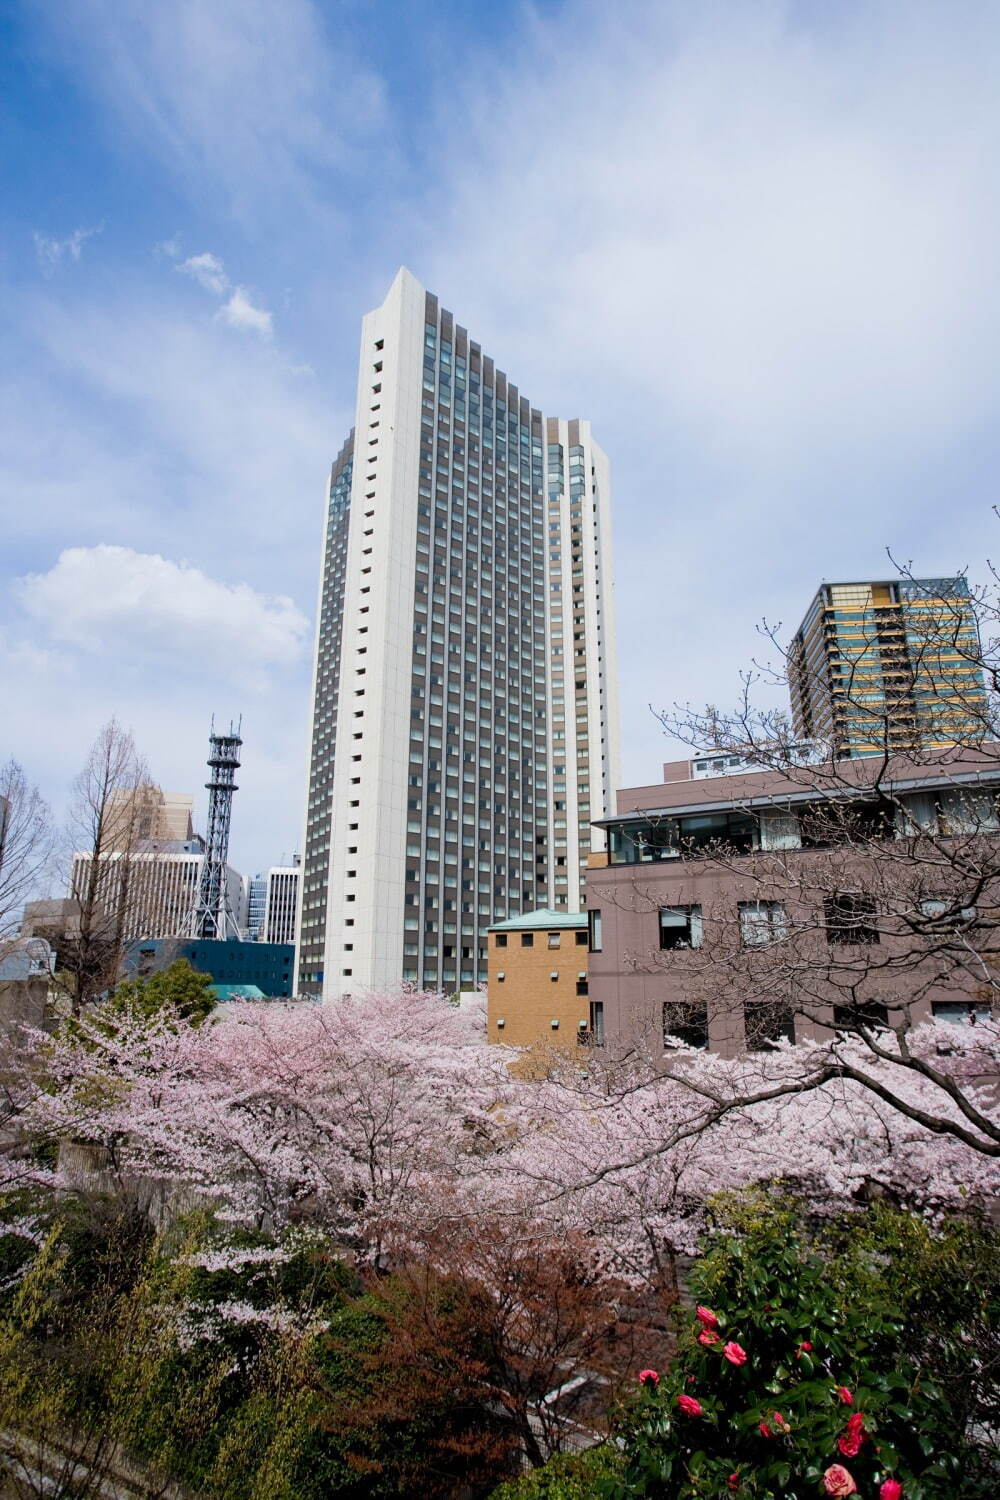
(888, 667)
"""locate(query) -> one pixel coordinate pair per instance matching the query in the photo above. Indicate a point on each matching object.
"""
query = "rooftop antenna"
(213, 916)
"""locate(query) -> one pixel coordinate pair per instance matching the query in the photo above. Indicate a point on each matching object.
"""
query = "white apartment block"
(464, 728)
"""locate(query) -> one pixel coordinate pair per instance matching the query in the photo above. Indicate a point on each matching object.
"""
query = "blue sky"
(755, 243)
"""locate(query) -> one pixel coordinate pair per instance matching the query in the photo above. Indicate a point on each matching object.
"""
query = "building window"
(850, 918)
(866, 1013)
(581, 939)
(766, 1022)
(501, 940)
(761, 922)
(960, 1012)
(680, 927)
(553, 940)
(945, 915)
(686, 1024)
(594, 926)
(527, 939)
(597, 1022)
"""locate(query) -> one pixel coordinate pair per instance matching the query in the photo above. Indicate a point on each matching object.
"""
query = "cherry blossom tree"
(390, 1124)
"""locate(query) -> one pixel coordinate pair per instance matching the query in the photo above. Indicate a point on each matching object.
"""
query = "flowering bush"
(787, 1385)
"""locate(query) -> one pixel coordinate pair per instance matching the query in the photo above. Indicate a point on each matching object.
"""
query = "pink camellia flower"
(890, 1489)
(735, 1354)
(708, 1337)
(844, 1395)
(689, 1406)
(837, 1481)
(648, 1377)
(706, 1317)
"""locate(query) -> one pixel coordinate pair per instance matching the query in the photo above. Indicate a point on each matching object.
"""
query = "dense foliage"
(858, 1360)
(178, 988)
(241, 1367)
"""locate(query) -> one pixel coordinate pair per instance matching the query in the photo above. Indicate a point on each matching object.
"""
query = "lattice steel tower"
(213, 916)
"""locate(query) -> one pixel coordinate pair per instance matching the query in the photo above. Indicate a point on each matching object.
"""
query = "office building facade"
(256, 908)
(152, 890)
(272, 904)
(464, 727)
(281, 908)
(888, 666)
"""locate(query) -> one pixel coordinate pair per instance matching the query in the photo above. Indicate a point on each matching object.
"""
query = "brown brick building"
(537, 987)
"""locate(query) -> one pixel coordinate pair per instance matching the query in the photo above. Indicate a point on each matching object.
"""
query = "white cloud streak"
(239, 312)
(52, 252)
(249, 97)
(208, 271)
(115, 601)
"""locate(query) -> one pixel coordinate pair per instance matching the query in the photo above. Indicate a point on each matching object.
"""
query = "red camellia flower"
(648, 1377)
(890, 1489)
(708, 1337)
(764, 1430)
(844, 1395)
(734, 1354)
(689, 1406)
(850, 1442)
(706, 1317)
(855, 1421)
(804, 1348)
(733, 1482)
(837, 1481)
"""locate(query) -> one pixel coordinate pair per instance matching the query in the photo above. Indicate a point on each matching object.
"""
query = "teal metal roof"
(236, 992)
(533, 921)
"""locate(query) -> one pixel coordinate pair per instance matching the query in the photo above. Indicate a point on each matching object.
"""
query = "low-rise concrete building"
(229, 961)
(709, 878)
(537, 980)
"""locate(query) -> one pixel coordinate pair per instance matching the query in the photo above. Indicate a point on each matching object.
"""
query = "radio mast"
(213, 915)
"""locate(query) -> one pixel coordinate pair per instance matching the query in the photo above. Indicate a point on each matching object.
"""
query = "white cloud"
(239, 312)
(208, 271)
(249, 97)
(764, 230)
(114, 600)
(52, 252)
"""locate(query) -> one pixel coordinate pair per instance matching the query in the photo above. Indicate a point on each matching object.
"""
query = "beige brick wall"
(528, 999)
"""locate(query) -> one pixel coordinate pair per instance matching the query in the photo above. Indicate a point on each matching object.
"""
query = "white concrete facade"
(154, 889)
(281, 904)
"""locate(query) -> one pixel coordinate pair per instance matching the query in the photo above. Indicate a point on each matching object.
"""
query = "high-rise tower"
(464, 728)
(888, 666)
